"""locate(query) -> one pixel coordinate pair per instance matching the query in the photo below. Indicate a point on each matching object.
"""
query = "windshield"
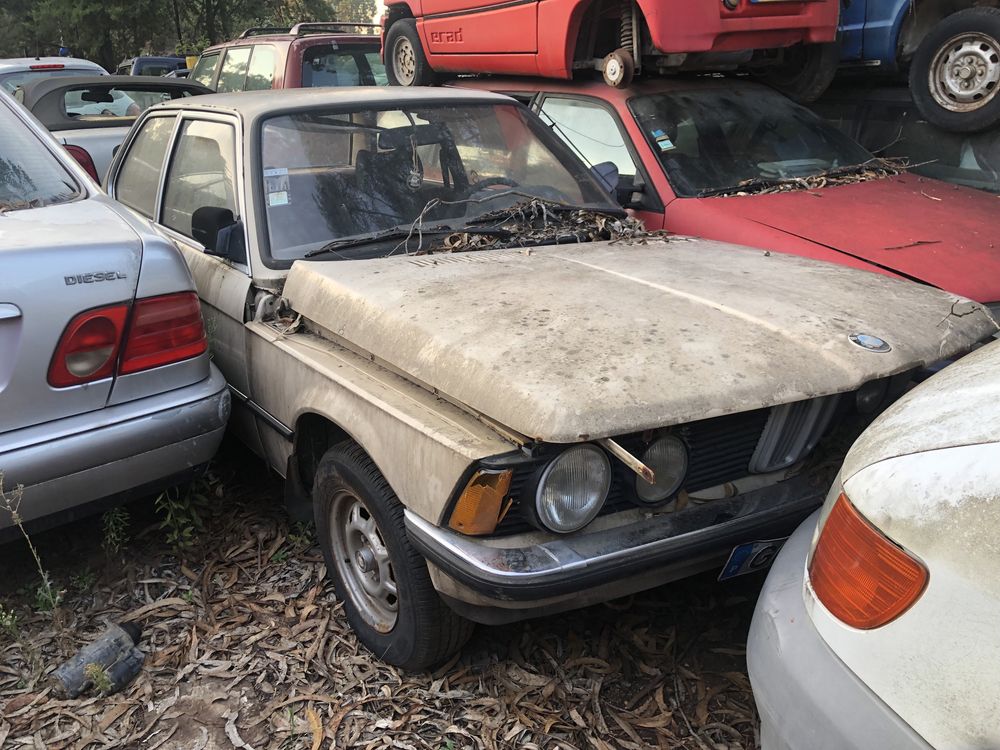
(12, 81)
(331, 176)
(713, 139)
(30, 176)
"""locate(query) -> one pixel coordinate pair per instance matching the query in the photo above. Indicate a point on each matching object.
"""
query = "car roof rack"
(261, 30)
(318, 27)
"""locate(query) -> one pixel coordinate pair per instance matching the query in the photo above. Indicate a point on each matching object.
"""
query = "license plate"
(751, 557)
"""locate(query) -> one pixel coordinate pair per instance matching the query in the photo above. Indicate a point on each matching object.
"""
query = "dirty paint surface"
(604, 339)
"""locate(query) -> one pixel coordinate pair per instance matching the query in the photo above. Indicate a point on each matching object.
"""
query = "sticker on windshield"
(663, 140)
(276, 186)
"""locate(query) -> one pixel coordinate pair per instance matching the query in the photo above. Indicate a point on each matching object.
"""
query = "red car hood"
(930, 231)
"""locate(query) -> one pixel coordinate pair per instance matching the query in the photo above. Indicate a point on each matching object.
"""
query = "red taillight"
(89, 346)
(47, 66)
(81, 155)
(863, 578)
(163, 330)
(157, 331)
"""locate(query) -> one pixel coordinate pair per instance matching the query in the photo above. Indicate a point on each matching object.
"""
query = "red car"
(707, 157)
(305, 55)
(556, 37)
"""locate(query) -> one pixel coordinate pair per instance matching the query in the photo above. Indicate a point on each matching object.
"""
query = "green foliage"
(8, 623)
(109, 31)
(98, 676)
(83, 581)
(183, 509)
(115, 537)
(48, 596)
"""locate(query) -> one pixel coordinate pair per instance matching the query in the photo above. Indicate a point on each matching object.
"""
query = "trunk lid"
(52, 258)
(593, 340)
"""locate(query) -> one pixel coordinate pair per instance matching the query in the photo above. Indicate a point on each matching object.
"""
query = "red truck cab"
(618, 37)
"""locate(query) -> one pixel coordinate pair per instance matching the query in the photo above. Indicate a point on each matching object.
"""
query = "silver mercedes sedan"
(106, 386)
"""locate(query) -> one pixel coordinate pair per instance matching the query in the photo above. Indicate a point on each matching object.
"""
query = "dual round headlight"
(574, 485)
(572, 489)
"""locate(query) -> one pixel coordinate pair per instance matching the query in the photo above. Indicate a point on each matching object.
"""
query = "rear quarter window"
(30, 175)
(139, 176)
(234, 69)
(204, 69)
(324, 65)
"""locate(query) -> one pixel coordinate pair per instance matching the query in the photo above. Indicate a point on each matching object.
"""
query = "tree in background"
(108, 31)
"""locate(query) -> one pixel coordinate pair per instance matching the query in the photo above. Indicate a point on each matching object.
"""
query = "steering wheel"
(478, 185)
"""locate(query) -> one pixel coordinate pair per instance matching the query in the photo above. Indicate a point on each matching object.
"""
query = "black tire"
(929, 72)
(405, 61)
(805, 72)
(426, 631)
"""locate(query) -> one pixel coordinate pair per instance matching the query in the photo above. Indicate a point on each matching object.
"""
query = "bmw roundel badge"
(871, 343)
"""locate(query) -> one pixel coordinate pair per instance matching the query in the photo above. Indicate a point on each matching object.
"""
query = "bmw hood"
(563, 343)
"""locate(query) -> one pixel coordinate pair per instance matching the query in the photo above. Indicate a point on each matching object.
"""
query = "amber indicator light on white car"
(862, 577)
(157, 331)
(479, 509)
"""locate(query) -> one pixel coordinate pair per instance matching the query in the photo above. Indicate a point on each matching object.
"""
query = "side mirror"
(607, 174)
(218, 230)
(632, 196)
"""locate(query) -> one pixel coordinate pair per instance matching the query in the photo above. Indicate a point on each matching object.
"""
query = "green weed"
(115, 537)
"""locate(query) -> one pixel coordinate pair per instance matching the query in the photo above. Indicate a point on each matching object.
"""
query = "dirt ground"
(247, 647)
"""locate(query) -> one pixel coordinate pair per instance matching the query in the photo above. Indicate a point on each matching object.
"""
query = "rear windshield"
(30, 175)
(105, 102)
(11, 81)
(158, 67)
(326, 65)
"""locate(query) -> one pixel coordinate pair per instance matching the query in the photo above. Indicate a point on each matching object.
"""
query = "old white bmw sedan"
(499, 397)
(877, 627)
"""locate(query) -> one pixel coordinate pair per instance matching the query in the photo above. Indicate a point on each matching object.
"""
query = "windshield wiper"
(398, 233)
(867, 170)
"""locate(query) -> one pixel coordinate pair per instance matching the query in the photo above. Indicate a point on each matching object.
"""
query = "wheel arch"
(915, 20)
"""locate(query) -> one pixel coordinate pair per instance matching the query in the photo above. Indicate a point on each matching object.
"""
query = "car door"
(198, 167)
(595, 133)
(480, 26)
(853, 16)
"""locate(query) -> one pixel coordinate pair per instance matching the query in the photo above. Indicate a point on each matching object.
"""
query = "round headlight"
(668, 458)
(573, 488)
(871, 395)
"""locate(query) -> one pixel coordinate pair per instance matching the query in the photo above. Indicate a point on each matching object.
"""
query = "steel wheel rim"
(965, 72)
(404, 61)
(362, 561)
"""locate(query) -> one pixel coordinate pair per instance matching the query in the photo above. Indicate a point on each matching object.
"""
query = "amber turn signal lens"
(862, 577)
(477, 511)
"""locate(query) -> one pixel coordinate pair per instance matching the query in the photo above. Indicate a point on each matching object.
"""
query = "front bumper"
(669, 546)
(72, 462)
(806, 697)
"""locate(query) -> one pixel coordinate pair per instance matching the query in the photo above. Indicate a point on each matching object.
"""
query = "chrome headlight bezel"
(545, 495)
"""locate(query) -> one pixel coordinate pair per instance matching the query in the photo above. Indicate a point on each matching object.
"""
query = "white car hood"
(600, 339)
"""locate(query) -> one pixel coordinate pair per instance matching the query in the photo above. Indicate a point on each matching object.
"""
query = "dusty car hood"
(558, 343)
(929, 231)
(937, 415)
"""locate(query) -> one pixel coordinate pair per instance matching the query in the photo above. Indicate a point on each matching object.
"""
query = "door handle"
(9, 311)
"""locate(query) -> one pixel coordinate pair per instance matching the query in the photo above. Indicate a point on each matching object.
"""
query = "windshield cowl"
(875, 169)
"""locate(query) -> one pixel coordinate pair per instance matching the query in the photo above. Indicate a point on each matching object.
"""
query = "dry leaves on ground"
(247, 647)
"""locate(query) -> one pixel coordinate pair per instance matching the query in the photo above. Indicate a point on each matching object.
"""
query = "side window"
(234, 69)
(202, 173)
(260, 73)
(590, 130)
(204, 69)
(139, 175)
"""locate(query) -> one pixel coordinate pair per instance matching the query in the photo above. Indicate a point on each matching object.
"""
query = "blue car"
(949, 48)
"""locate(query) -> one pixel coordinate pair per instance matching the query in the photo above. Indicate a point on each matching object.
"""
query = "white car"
(878, 624)
(17, 71)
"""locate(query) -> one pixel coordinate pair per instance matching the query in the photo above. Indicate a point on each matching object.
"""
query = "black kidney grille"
(719, 451)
